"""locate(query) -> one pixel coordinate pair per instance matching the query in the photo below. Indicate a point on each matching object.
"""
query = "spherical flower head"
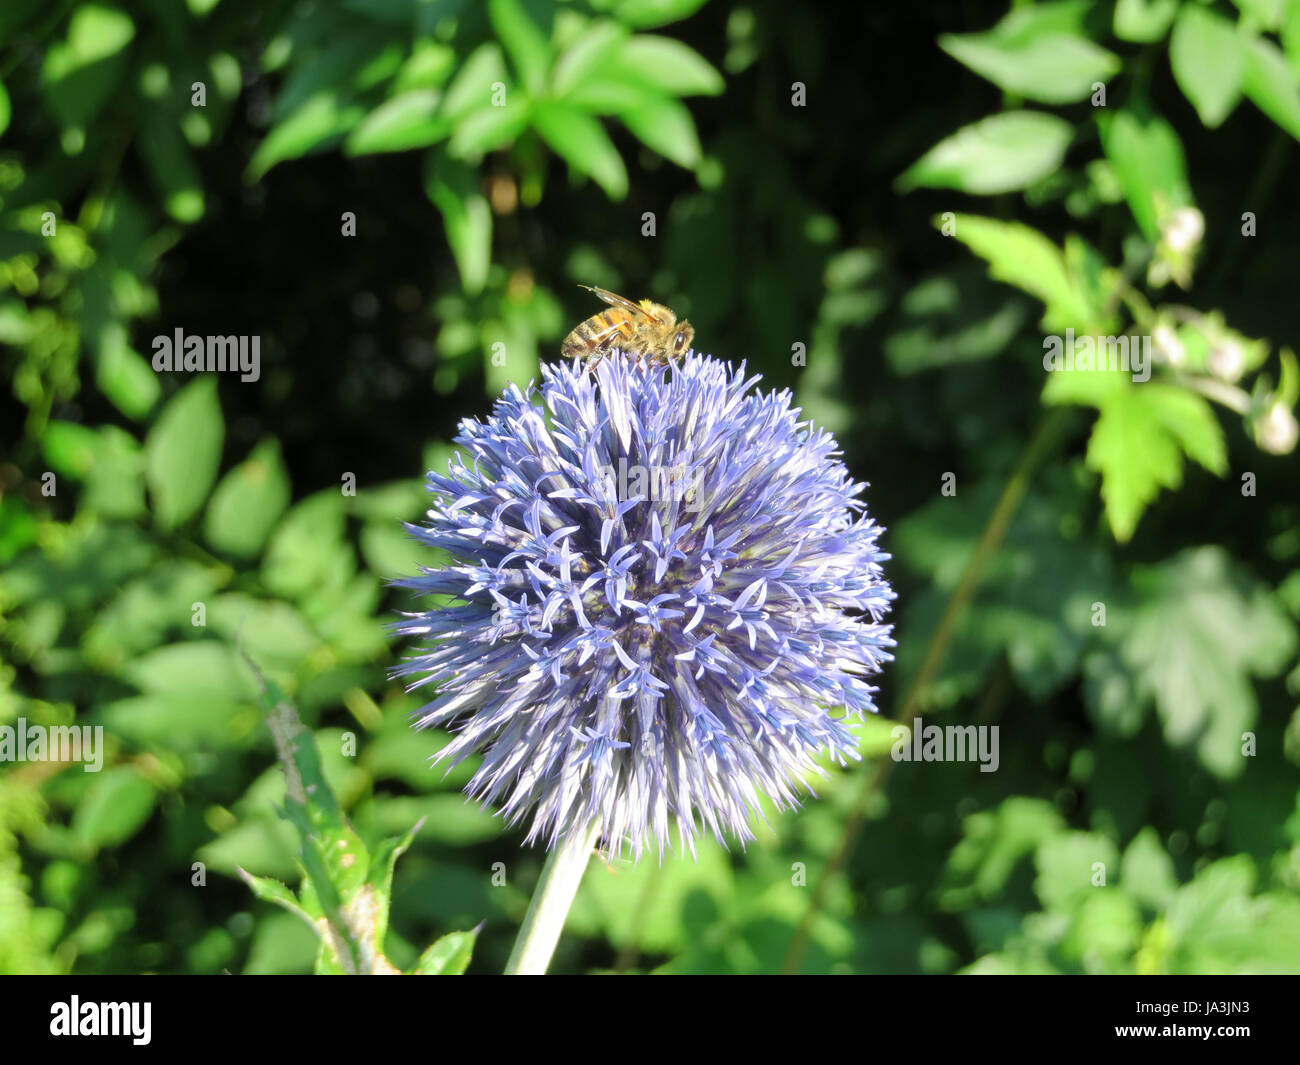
(666, 597)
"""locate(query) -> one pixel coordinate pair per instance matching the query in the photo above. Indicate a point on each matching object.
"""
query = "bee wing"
(615, 300)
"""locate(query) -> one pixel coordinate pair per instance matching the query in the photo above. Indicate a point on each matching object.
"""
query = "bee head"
(682, 341)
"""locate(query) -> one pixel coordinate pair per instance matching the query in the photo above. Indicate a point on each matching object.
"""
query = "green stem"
(552, 898)
(1039, 447)
(1220, 391)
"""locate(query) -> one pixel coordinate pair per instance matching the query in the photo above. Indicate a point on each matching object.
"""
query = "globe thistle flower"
(626, 646)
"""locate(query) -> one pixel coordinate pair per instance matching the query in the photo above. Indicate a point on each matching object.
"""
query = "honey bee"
(644, 330)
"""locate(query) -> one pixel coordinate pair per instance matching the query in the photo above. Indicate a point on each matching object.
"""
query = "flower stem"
(552, 898)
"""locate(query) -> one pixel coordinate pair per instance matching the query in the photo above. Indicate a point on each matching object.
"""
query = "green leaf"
(1144, 20)
(410, 120)
(97, 31)
(174, 723)
(1215, 926)
(248, 502)
(318, 123)
(124, 375)
(1264, 14)
(651, 907)
(1272, 85)
(115, 480)
(1032, 607)
(192, 669)
(528, 49)
(183, 452)
(449, 956)
(670, 66)
(993, 843)
(69, 448)
(587, 56)
(172, 167)
(1068, 868)
(1147, 871)
(647, 14)
(452, 186)
(583, 143)
(307, 552)
(390, 551)
(471, 88)
(451, 819)
(429, 66)
(1002, 153)
(1290, 34)
(1195, 632)
(5, 109)
(1023, 257)
(488, 129)
(665, 126)
(1050, 67)
(270, 890)
(114, 808)
(274, 634)
(267, 844)
(1138, 443)
(380, 881)
(1148, 160)
(1207, 62)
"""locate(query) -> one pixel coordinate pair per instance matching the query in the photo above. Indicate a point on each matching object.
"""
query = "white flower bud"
(1167, 346)
(1277, 430)
(1184, 229)
(1227, 360)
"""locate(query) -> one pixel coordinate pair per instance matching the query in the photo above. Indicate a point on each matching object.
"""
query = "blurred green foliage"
(885, 210)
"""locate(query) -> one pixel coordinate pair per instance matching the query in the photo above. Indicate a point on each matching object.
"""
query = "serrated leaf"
(449, 956)
(183, 452)
(1195, 633)
(1023, 257)
(998, 154)
(1138, 443)
(270, 890)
